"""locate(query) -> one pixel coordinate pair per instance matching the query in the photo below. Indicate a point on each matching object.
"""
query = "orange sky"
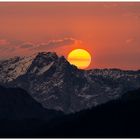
(109, 31)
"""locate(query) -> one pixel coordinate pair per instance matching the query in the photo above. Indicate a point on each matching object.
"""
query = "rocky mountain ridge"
(56, 84)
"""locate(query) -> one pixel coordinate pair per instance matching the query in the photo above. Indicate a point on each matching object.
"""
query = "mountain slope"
(116, 119)
(14, 67)
(21, 115)
(56, 84)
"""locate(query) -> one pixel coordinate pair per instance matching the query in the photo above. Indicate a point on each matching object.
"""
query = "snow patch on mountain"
(45, 68)
(12, 68)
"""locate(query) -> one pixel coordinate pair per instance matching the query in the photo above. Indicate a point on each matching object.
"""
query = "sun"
(80, 58)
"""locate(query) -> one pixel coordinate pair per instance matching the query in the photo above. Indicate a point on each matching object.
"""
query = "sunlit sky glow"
(109, 31)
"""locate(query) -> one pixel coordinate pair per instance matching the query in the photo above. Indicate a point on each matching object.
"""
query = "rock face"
(56, 84)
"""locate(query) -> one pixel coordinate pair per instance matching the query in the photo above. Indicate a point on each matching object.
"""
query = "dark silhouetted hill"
(20, 114)
(117, 118)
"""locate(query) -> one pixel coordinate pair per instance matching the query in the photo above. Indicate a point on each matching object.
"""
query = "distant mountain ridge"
(24, 118)
(56, 84)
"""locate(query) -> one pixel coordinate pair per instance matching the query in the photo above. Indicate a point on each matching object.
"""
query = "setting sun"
(80, 58)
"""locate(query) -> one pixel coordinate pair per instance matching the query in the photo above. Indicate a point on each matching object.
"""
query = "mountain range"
(22, 117)
(57, 85)
(119, 118)
(43, 95)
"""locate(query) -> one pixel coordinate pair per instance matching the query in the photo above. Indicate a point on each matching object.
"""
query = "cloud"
(57, 43)
(27, 45)
(9, 45)
(12, 48)
(4, 42)
(5, 46)
(15, 42)
(8, 48)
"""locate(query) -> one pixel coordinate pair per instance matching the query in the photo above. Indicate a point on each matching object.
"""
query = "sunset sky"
(110, 32)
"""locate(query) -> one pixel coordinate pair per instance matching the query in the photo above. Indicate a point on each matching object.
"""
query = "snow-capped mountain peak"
(56, 84)
(11, 68)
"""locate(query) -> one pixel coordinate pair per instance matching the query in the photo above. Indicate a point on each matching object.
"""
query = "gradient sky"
(109, 31)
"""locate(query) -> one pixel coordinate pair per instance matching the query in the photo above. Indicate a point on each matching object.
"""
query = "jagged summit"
(49, 62)
(12, 68)
(51, 55)
(57, 84)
